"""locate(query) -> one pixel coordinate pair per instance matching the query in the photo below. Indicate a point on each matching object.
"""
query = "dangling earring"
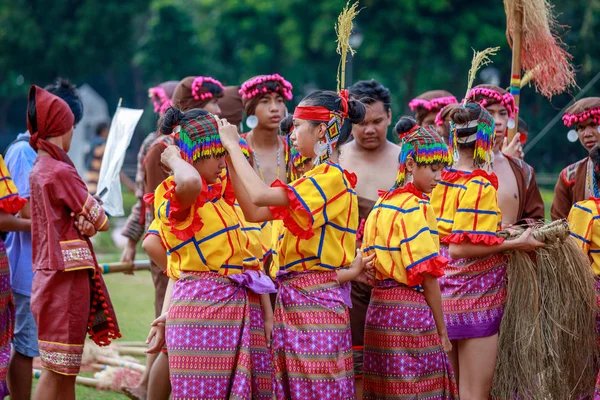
(252, 121)
(320, 148)
(511, 123)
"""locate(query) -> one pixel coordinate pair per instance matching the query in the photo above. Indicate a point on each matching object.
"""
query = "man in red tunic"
(68, 295)
(574, 181)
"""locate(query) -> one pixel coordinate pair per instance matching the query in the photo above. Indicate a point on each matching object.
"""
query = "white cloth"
(119, 136)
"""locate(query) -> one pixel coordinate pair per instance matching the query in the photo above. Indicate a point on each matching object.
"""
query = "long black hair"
(333, 102)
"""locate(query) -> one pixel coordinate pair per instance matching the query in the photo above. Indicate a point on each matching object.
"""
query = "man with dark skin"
(374, 160)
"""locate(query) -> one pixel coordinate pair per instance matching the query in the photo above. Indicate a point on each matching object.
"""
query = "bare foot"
(135, 393)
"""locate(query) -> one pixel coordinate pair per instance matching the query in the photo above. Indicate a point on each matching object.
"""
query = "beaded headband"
(197, 86)
(256, 87)
(506, 99)
(425, 146)
(482, 133)
(592, 113)
(432, 104)
(199, 139)
(160, 99)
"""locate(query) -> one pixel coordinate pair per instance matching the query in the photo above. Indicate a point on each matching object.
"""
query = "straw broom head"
(343, 30)
(480, 59)
(540, 43)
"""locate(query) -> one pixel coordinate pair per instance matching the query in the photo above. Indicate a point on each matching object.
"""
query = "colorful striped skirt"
(597, 287)
(7, 319)
(262, 363)
(473, 295)
(312, 342)
(403, 356)
(208, 337)
(597, 389)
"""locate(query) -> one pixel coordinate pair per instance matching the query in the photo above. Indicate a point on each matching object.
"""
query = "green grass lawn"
(133, 299)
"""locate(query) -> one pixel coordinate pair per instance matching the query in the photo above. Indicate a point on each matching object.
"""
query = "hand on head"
(228, 133)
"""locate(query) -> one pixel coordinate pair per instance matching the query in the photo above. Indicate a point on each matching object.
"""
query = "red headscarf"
(53, 118)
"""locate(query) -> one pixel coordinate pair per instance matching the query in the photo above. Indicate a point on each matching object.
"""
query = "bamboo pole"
(132, 351)
(115, 267)
(515, 81)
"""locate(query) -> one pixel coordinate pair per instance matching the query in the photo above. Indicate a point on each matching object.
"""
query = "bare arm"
(10, 223)
(526, 242)
(25, 211)
(187, 179)
(155, 251)
(260, 193)
(252, 212)
(433, 297)
(129, 184)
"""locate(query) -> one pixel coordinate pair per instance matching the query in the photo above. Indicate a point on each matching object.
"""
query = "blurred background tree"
(123, 47)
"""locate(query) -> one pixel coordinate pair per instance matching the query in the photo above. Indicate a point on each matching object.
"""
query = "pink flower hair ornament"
(592, 113)
(255, 87)
(197, 86)
(507, 100)
(160, 99)
(431, 104)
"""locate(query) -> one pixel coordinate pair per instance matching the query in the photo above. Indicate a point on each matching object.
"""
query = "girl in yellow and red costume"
(473, 286)
(313, 258)
(405, 332)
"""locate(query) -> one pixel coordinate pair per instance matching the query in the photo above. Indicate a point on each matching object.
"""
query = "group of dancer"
(307, 258)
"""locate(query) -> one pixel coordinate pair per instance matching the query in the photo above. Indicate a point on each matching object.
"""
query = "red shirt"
(56, 192)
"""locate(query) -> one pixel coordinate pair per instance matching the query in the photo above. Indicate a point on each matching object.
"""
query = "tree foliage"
(409, 45)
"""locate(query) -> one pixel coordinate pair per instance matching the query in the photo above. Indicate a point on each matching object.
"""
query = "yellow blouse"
(319, 226)
(466, 206)
(10, 201)
(585, 228)
(252, 241)
(209, 238)
(402, 232)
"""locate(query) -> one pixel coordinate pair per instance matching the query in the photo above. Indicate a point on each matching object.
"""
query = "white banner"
(119, 136)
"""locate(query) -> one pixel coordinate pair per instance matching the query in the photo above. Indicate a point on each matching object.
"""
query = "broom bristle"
(343, 30)
(539, 44)
(480, 59)
(547, 343)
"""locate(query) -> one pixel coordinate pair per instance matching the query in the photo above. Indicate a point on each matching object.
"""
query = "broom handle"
(115, 362)
(80, 380)
(112, 268)
(515, 81)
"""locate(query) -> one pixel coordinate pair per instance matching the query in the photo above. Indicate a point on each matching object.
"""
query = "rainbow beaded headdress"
(425, 146)
(481, 131)
(199, 139)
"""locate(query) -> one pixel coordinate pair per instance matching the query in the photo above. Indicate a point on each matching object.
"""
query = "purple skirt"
(473, 295)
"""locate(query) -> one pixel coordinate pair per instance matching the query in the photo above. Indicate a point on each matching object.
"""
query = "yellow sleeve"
(477, 217)
(10, 201)
(419, 245)
(581, 219)
(166, 206)
(315, 199)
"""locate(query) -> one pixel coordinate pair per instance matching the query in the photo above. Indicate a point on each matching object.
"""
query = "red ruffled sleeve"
(12, 204)
(292, 214)
(182, 229)
(434, 266)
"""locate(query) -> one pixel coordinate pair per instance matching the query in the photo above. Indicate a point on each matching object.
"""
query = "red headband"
(322, 114)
